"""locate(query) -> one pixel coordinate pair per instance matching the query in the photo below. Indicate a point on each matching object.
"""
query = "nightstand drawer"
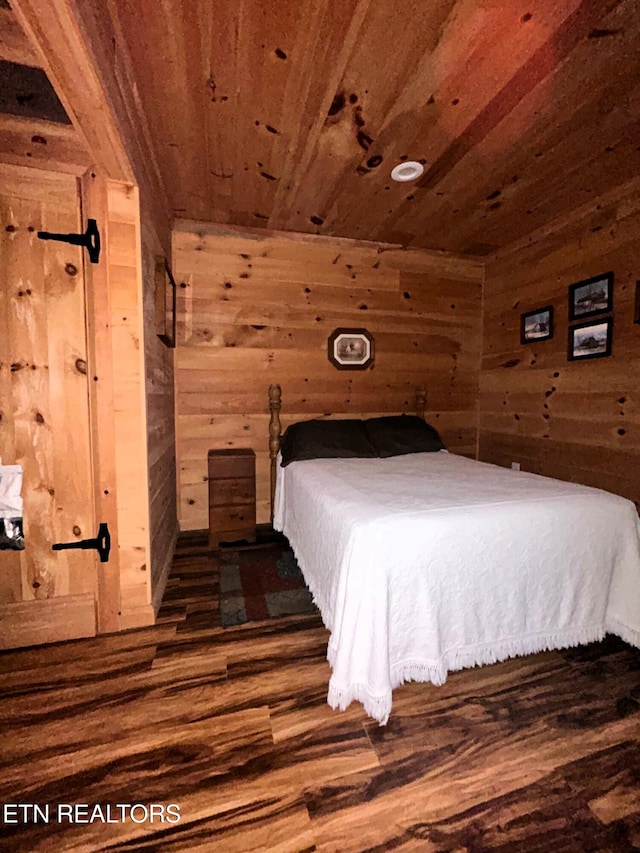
(232, 518)
(232, 491)
(225, 464)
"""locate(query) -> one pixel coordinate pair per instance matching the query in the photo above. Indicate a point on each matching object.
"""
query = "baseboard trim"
(51, 620)
(137, 617)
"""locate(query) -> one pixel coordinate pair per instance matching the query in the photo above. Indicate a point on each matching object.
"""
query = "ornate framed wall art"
(350, 349)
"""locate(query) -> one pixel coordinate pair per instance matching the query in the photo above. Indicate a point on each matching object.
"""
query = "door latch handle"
(90, 239)
(101, 543)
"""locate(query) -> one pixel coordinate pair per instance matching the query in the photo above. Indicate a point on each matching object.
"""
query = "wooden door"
(45, 595)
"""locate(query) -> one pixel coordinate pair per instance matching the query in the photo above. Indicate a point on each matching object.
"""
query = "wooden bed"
(275, 428)
(423, 563)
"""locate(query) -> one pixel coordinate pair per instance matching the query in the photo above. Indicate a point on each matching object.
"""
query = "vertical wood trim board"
(577, 421)
(256, 307)
(101, 390)
(127, 333)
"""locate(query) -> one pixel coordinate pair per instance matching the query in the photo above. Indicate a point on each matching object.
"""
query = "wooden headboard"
(275, 427)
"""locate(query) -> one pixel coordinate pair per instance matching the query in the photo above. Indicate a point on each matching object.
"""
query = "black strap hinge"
(101, 543)
(90, 239)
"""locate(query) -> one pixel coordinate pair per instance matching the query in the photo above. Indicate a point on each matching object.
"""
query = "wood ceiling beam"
(88, 64)
(58, 31)
(14, 44)
(42, 144)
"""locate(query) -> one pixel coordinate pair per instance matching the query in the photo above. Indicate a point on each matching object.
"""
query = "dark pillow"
(396, 435)
(318, 439)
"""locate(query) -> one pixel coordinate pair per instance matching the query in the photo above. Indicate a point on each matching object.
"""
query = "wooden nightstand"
(232, 495)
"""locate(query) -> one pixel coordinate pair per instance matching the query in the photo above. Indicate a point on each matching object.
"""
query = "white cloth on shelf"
(10, 491)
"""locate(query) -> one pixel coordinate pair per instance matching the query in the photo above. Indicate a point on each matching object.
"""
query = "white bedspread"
(431, 562)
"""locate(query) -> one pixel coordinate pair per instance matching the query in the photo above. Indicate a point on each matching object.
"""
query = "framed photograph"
(350, 349)
(590, 340)
(591, 296)
(536, 325)
(165, 303)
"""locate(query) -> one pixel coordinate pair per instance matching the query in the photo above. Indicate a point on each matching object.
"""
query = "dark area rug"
(259, 583)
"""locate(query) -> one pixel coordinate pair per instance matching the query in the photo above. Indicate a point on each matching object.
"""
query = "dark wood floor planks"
(540, 753)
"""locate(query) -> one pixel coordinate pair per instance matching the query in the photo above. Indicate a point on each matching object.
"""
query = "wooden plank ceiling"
(290, 115)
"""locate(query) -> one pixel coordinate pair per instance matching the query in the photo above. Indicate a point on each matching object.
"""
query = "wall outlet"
(515, 466)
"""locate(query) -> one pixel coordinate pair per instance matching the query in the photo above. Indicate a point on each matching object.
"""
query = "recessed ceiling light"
(408, 171)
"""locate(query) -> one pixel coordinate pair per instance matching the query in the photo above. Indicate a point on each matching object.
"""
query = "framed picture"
(350, 349)
(591, 296)
(590, 340)
(536, 325)
(165, 304)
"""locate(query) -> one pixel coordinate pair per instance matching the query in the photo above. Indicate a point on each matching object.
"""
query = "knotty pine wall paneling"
(577, 421)
(256, 307)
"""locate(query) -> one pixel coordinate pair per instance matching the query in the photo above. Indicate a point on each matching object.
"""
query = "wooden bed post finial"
(275, 428)
(421, 401)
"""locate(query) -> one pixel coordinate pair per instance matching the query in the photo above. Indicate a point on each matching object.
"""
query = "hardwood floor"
(540, 753)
